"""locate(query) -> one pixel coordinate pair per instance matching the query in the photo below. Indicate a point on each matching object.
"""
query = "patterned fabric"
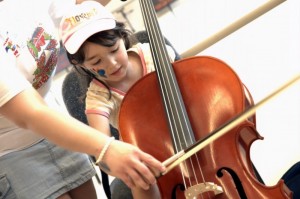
(28, 57)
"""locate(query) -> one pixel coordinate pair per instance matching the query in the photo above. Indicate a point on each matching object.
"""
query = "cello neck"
(179, 124)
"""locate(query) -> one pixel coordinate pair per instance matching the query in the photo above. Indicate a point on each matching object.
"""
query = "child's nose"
(112, 62)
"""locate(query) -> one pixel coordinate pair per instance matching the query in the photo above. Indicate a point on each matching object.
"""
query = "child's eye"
(97, 62)
(115, 50)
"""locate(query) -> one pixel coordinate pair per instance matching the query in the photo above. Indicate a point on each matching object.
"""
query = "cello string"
(164, 81)
(165, 96)
(152, 37)
(147, 18)
(163, 66)
(165, 61)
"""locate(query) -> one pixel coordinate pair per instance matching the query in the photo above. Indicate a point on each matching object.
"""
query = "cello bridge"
(194, 191)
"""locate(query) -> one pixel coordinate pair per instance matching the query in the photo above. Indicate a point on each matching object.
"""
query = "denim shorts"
(42, 171)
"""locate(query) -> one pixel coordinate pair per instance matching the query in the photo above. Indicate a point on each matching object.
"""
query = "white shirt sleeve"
(12, 81)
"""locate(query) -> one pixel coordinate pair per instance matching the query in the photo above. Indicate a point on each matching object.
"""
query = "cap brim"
(77, 39)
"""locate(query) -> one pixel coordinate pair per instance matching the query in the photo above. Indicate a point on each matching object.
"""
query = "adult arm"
(28, 110)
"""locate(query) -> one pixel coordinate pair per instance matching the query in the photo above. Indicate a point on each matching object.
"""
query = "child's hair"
(105, 38)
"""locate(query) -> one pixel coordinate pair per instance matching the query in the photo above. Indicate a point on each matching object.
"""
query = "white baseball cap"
(82, 21)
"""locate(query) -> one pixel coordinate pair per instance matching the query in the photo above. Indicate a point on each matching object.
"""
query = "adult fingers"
(139, 179)
(156, 166)
(146, 174)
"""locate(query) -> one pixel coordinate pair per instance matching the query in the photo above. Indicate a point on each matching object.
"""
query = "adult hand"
(131, 165)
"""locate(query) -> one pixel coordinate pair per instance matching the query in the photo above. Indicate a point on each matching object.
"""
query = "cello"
(182, 102)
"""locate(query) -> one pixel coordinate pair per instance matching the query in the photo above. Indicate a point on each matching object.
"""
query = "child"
(99, 48)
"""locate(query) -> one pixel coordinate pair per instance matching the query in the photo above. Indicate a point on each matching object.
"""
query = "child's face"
(110, 63)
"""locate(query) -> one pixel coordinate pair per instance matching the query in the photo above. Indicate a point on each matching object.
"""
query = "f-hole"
(178, 186)
(236, 180)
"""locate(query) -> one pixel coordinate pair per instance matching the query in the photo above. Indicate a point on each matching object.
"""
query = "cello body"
(212, 94)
